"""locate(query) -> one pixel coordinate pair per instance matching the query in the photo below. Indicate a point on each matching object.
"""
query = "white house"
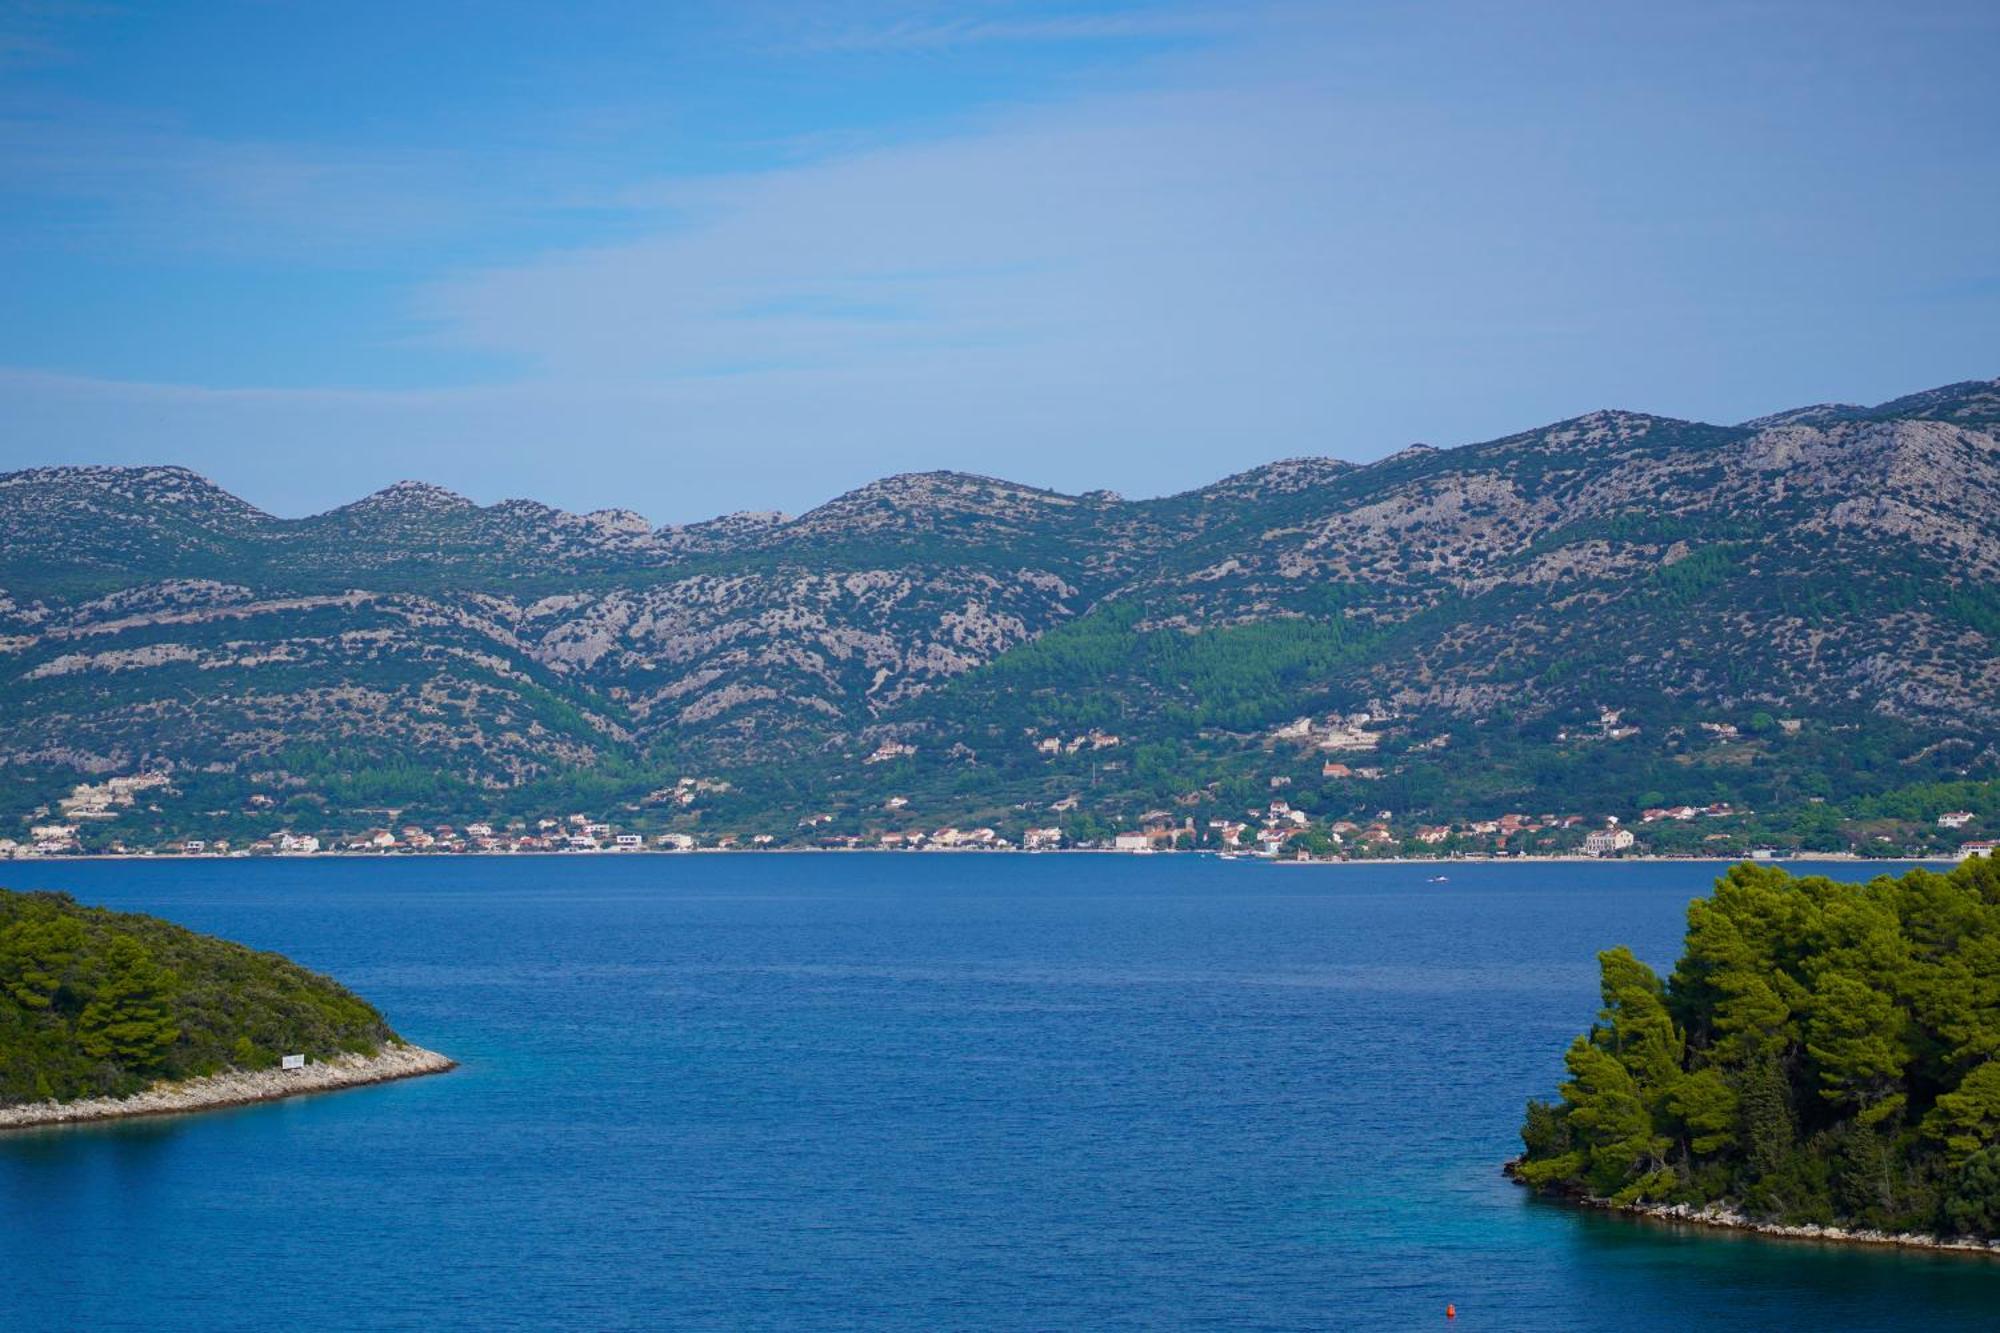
(1607, 841)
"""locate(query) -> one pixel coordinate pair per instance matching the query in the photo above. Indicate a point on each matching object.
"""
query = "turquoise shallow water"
(908, 1092)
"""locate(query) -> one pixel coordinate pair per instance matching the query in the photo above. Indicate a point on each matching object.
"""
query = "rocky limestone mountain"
(1837, 562)
(1829, 560)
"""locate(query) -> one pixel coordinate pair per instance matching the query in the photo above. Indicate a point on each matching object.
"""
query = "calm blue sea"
(907, 1092)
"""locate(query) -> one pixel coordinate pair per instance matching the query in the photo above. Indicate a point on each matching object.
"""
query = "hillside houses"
(1094, 739)
(1335, 732)
(106, 799)
(53, 839)
(685, 792)
(1334, 769)
(1281, 813)
(1686, 813)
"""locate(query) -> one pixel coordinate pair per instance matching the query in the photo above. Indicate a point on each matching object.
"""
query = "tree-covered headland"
(99, 1003)
(1823, 1052)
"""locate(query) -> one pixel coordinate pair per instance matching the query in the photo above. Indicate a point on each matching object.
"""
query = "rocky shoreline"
(236, 1088)
(1725, 1217)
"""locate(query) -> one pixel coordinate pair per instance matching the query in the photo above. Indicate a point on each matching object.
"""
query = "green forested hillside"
(99, 1003)
(1823, 1052)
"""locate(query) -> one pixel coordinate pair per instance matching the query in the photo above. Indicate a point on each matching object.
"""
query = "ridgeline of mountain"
(1833, 568)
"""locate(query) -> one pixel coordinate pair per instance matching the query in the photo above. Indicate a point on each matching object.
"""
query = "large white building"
(1607, 841)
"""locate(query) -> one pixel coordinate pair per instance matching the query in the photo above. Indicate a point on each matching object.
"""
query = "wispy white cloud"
(128, 178)
(1332, 233)
(153, 185)
(1136, 249)
(1139, 291)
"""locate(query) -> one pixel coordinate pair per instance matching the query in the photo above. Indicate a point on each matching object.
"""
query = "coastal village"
(83, 823)
(1355, 754)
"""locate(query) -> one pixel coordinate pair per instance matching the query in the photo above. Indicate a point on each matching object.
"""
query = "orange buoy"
(1450, 1311)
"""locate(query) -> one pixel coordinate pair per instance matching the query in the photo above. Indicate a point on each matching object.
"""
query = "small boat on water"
(1437, 879)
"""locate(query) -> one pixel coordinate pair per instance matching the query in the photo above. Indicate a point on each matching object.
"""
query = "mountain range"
(1793, 612)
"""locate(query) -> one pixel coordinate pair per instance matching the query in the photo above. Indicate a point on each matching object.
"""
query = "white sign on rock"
(295, 1062)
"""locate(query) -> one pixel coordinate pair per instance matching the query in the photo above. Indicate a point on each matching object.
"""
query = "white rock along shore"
(1729, 1218)
(236, 1088)
(1718, 1215)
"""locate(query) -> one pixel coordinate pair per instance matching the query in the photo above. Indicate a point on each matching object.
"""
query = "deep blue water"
(907, 1092)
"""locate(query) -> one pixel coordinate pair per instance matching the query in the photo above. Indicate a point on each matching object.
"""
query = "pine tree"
(130, 1020)
(1968, 1119)
(1769, 1129)
(1855, 1038)
(36, 956)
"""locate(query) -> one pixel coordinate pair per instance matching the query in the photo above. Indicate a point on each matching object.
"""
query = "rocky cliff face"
(1792, 563)
(1826, 558)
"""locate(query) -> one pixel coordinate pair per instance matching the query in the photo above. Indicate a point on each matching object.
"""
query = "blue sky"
(691, 258)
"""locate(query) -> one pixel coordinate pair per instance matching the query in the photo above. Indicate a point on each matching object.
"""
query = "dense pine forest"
(1823, 1052)
(99, 1003)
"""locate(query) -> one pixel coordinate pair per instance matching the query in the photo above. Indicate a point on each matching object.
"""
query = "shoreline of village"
(1280, 832)
(386, 854)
